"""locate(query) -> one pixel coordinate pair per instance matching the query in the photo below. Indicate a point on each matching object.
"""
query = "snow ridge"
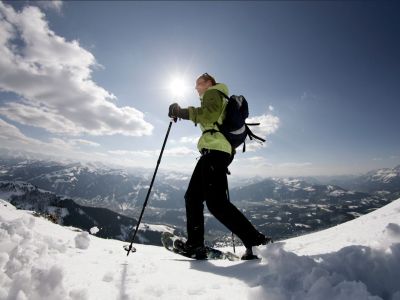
(354, 272)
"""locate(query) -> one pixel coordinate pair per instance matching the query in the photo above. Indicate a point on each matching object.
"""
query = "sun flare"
(178, 87)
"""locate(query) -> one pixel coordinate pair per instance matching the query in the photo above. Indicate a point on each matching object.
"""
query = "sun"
(178, 87)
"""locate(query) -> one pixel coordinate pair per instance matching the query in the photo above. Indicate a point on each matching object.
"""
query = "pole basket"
(129, 248)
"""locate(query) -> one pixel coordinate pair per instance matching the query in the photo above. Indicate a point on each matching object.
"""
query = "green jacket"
(212, 110)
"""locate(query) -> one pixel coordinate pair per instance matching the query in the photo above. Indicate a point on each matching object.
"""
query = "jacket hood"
(220, 87)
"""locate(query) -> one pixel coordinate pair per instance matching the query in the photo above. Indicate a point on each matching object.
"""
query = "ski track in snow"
(356, 260)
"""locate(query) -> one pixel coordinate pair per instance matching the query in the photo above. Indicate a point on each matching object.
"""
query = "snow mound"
(378, 229)
(27, 272)
(94, 230)
(82, 240)
(393, 230)
(359, 259)
(354, 272)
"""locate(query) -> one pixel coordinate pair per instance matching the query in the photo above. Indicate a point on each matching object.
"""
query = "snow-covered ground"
(356, 260)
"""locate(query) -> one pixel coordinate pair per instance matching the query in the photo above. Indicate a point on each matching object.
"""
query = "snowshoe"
(178, 245)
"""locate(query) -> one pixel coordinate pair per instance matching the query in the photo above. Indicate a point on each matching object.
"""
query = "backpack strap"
(251, 134)
(210, 130)
(223, 94)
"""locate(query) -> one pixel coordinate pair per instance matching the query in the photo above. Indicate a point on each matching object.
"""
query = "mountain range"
(102, 222)
(281, 207)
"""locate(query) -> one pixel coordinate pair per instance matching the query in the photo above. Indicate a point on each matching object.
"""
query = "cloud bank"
(52, 77)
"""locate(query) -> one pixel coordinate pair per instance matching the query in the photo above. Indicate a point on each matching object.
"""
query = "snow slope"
(356, 260)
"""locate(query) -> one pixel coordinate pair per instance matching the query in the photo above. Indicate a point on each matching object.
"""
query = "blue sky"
(322, 77)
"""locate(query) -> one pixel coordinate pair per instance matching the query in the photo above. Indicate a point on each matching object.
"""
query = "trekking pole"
(233, 243)
(130, 248)
(229, 199)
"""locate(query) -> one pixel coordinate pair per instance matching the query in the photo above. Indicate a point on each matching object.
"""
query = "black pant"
(209, 183)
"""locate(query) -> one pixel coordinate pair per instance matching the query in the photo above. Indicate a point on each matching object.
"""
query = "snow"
(385, 175)
(356, 260)
(354, 214)
(82, 240)
(155, 227)
(309, 189)
(337, 193)
(330, 187)
(160, 197)
(294, 183)
(302, 225)
(393, 229)
(369, 230)
(148, 227)
(94, 230)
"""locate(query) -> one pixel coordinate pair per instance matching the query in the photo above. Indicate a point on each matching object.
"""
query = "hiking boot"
(262, 240)
(248, 255)
(189, 250)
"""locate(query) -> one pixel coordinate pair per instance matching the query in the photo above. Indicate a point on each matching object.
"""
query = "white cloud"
(258, 160)
(252, 146)
(294, 165)
(12, 138)
(259, 165)
(53, 76)
(189, 139)
(56, 148)
(11, 135)
(137, 154)
(269, 124)
(82, 142)
(50, 4)
(181, 151)
(271, 108)
(172, 152)
(39, 116)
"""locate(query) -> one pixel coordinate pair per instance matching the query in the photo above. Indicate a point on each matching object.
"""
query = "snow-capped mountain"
(106, 223)
(387, 175)
(357, 260)
(99, 186)
(387, 179)
(289, 188)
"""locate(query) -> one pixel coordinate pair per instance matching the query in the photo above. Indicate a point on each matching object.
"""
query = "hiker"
(209, 179)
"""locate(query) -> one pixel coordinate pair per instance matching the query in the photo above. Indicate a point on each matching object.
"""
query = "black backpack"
(234, 127)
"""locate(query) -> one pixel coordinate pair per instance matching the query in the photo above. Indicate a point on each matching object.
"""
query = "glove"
(175, 111)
